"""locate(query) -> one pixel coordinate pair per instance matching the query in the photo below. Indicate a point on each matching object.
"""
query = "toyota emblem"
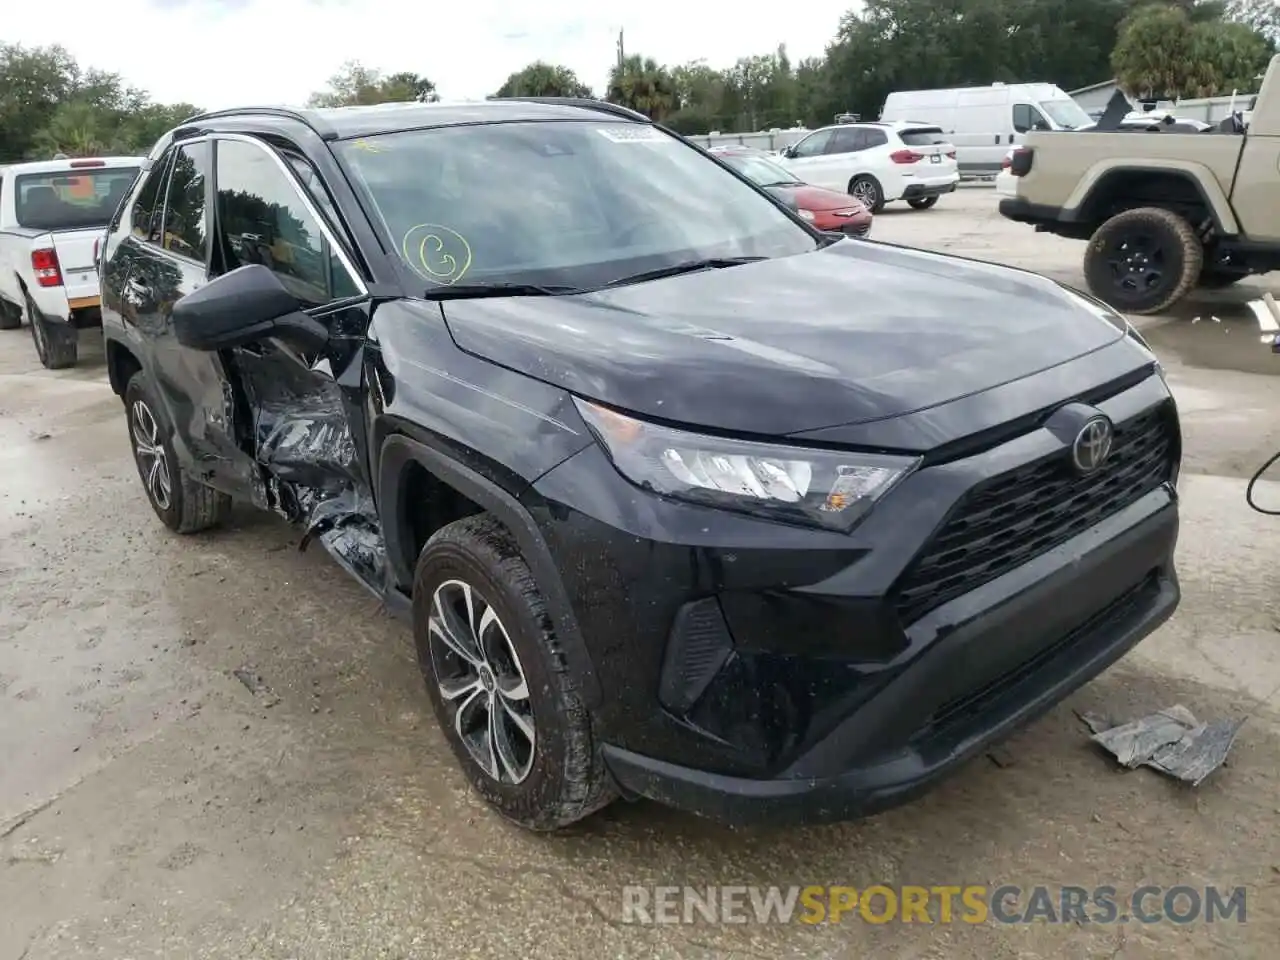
(1092, 445)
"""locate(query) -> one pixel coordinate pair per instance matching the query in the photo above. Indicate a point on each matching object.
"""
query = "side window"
(1027, 118)
(875, 138)
(148, 205)
(814, 144)
(185, 224)
(262, 219)
(847, 140)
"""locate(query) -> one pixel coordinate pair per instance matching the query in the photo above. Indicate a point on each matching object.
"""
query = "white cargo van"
(983, 122)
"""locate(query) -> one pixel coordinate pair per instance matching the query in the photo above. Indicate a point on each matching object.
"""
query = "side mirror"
(243, 306)
(788, 152)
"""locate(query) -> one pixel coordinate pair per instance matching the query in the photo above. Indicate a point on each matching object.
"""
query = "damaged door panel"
(306, 436)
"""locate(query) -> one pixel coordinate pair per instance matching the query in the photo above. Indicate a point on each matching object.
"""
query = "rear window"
(923, 136)
(71, 199)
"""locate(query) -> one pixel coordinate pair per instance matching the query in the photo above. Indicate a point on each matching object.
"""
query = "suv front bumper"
(1020, 635)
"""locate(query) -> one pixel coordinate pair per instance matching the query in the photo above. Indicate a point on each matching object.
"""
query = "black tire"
(1218, 278)
(57, 344)
(1143, 260)
(10, 316)
(561, 777)
(188, 506)
(866, 190)
(922, 203)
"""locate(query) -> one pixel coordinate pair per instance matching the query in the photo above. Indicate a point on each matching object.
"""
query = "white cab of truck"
(53, 217)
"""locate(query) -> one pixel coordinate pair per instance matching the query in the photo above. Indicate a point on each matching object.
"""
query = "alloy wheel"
(148, 450)
(480, 676)
(1137, 263)
(864, 191)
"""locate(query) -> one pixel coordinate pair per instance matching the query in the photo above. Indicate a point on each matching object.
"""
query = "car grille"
(1012, 518)
(857, 230)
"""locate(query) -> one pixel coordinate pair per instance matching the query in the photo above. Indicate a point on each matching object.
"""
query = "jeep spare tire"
(1143, 260)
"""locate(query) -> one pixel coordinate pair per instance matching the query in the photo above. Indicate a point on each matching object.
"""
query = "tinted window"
(1027, 117)
(185, 223)
(875, 138)
(148, 207)
(262, 219)
(847, 140)
(813, 144)
(922, 136)
(579, 203)
(71, 199)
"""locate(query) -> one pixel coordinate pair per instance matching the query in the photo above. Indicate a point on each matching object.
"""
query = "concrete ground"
(150, 805)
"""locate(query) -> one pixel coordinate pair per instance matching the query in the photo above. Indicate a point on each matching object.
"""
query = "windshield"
(1066, 113)
(758, 169)
(578, 203)
(71, 199)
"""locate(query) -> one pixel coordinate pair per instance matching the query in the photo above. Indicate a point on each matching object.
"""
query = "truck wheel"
(867, 191)
(922, 203)
(56, 343)
(183, 504)
(10, 316)
(1143, 260)
(498, 680)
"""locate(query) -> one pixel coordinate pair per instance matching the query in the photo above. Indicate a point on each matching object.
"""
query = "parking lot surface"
(151, 805)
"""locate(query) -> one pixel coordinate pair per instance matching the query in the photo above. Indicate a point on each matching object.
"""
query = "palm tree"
(641, 84)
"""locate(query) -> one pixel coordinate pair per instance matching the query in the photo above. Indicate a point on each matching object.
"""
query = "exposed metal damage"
(309, 465)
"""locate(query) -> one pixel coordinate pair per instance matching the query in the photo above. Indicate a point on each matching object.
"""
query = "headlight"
(825, 488)
(806, 214)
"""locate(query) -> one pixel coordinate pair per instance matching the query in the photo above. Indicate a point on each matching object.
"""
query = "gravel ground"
(150, 805)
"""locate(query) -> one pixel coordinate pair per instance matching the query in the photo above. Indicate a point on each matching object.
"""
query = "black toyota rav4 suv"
(683, 498)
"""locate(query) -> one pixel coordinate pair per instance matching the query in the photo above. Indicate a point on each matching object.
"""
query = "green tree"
(1262, 15)
(641, 84)
(540, 79)
(1162, 52)
(33, 82)
(357, 84)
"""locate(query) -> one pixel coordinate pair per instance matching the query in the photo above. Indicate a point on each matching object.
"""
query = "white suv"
(877, 163)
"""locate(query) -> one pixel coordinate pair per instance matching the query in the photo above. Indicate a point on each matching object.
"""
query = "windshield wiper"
(689, 266)
(475, 291)
(785, 183)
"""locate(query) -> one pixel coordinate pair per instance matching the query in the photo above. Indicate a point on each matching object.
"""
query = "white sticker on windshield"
(636, 134)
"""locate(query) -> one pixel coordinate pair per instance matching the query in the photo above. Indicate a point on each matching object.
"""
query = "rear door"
(191, 386)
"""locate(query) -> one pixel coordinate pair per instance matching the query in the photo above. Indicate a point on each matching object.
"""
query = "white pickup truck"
(53, 215)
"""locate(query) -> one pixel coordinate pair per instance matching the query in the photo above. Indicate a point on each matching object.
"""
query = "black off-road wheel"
(182, 503)
(1144, 260)
(867, 191)
(497, 677)
(922, 203)
(57, 344)
(10, 316)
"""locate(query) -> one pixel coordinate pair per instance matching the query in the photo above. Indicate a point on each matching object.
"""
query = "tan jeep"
(1163, 212)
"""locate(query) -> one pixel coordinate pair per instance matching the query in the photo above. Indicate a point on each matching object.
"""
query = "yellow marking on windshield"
(368, 147)
(436, 253)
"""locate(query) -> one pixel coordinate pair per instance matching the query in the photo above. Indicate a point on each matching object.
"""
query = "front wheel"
(183, 504)
(922, 203)
(867, 191)
(1143, 260)
(498, 680)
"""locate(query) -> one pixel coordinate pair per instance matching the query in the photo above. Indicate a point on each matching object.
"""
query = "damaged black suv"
(684, 498)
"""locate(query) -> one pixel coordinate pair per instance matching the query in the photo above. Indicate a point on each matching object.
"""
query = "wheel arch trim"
(1197, 174)
(398, 452)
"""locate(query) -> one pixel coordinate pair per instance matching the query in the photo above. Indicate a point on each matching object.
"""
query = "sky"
(223, 53)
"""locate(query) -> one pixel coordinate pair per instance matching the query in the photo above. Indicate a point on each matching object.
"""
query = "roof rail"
(306, 117)
(586, 103)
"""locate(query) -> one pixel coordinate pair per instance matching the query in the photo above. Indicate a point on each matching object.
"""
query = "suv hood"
(847, 334)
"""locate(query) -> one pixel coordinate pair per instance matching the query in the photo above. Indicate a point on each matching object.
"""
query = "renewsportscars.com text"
(969, 904)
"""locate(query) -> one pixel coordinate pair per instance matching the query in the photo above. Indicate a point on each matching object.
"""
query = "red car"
(825, 209)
